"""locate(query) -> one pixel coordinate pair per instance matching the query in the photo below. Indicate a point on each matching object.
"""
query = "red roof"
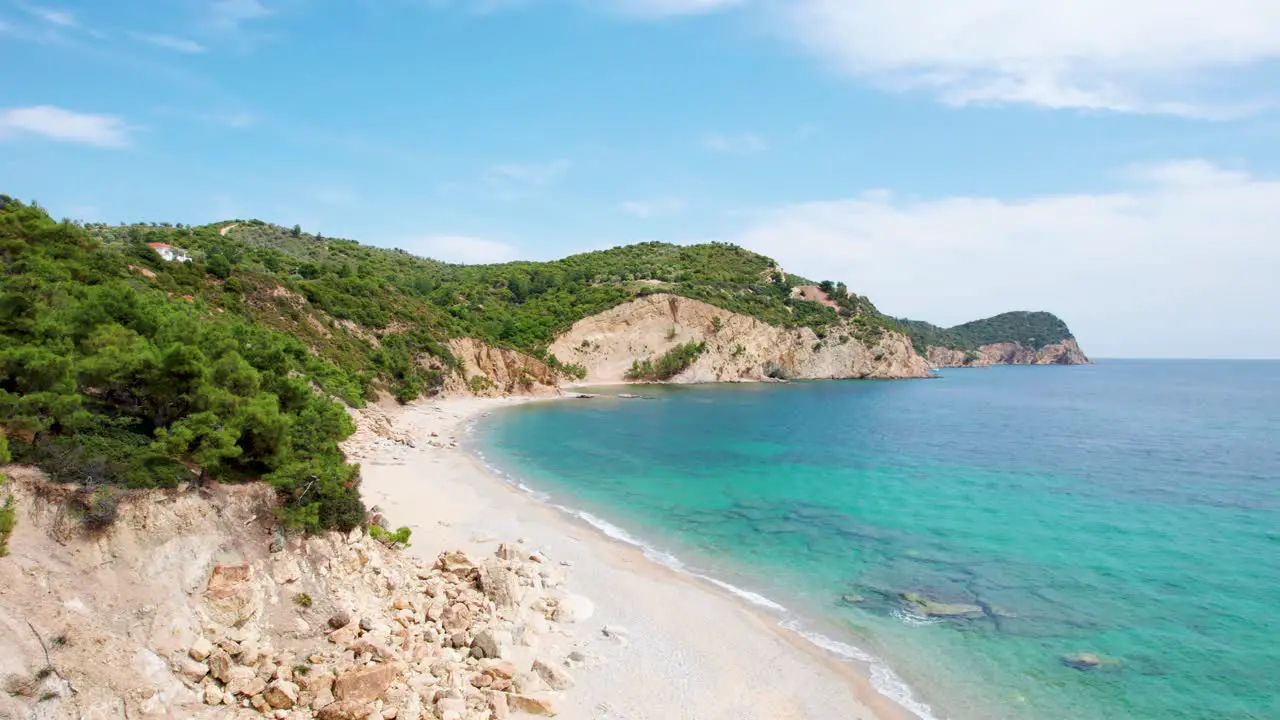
(159, 246)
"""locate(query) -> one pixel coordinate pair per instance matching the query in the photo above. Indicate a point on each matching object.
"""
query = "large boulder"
(281, 695)
(456, 617)
(500, 584)
(364, 685)
(220, 664)
(232, 598)
(200, 649)
(457, 562)
(491, 644)
(193, 671)
(573, 609)
(344, 710)
(532, 704)
(556, 677)
(245, 681)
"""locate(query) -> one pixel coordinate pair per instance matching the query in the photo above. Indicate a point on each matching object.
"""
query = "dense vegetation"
(672, 363)
(119, 369)
(521, 305)
(115, 371)
(1031, 329)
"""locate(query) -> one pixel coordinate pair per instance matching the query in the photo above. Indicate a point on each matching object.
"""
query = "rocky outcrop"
(1008, 353)
(489, 371)
(179, 609)
(738, 347)
(931, 608)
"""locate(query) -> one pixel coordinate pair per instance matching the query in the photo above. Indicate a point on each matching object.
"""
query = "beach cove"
(660, 644)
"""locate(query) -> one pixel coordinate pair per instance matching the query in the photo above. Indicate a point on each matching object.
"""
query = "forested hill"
(1033, 330)
(521, 305)
(121, 368)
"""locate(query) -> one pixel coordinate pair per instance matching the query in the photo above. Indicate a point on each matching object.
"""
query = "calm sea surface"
(1129, 509)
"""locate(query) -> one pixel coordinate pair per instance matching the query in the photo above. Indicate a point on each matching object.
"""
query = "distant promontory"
(1012, 338)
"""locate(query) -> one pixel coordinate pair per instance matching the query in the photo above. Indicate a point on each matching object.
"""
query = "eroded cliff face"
(1064, 353)
(192, 604)
(739, 348)
(489, 371)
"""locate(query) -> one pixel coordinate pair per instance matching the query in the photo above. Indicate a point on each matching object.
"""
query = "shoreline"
(687, 645)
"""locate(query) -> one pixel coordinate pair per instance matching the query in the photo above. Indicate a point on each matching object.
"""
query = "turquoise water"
(1129, 509)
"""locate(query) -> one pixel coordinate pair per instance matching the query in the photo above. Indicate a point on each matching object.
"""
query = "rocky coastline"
(1067, 352)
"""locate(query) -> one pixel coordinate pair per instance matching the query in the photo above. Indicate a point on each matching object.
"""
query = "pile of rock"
(456, 640)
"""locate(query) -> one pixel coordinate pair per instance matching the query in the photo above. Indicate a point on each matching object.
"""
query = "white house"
(169, 252)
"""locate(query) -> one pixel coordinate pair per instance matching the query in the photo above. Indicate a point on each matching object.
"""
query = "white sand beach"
(681, 648)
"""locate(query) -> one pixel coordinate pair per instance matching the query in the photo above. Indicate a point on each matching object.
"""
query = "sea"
(1128, 510)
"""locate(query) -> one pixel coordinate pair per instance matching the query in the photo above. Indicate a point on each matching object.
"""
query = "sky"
(1112, 161)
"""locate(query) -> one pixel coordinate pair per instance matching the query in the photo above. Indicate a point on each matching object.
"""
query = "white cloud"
(670, 8)
(735, 143)
(534, 174)
(1132, 55)
(169, 42)
(239, 120)
(63, 125)
(461, 249)
(652, 208)
(65, 18)
(229, 15)
(514, 181)
(1181, 261)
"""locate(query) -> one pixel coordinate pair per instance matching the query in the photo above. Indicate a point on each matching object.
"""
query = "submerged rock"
(1087, 661)
(930, 608)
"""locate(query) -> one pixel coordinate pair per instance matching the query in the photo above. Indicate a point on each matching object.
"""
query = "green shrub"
(100, 509)
(8, 521)
(303, 600)
(479, 384)
(672, 363)
(397, 539)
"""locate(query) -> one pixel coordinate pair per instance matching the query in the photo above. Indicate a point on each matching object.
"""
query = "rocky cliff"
(1066, 352)
(738, 348)
(489, 371)
(190, 604)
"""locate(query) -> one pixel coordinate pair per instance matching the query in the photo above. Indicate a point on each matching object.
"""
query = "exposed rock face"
(364, 685)
(739, 347)
(488, 371)
(1009, 353)
(174, 612)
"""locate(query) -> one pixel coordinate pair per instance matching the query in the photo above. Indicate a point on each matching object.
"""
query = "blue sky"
(1114, 161)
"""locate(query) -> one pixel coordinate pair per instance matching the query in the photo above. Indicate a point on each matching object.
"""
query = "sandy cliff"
(739, 347)
(489, 371)
(1008, 353)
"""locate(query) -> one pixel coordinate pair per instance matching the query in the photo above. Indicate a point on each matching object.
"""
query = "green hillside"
(118, 368)
(1031, 329)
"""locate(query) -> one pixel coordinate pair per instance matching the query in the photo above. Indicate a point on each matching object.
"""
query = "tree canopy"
(1031, 329)
(109, 379)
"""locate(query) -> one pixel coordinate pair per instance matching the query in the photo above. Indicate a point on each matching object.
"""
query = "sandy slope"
(691, 650)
